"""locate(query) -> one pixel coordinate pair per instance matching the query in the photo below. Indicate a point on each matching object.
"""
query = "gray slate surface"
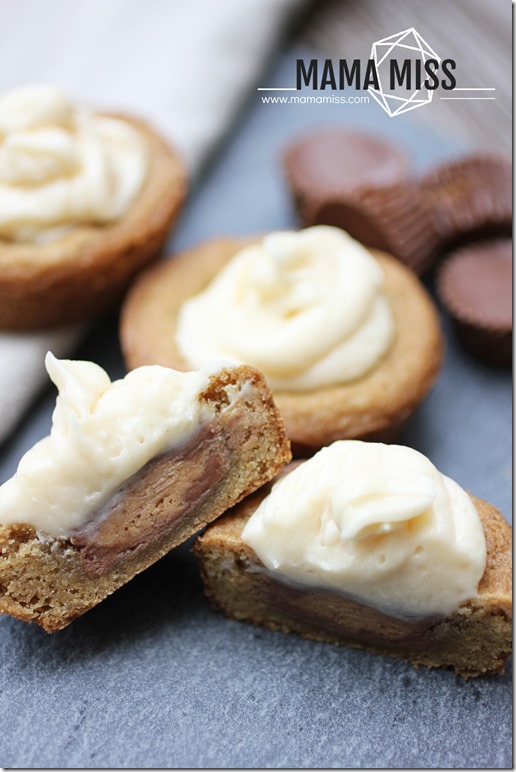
(153, 678)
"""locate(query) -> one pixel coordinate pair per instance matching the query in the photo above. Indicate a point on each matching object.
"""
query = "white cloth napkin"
(184, 65)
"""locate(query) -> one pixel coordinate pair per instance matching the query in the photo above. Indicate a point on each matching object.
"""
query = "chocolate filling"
(167, 489)
(344, 618)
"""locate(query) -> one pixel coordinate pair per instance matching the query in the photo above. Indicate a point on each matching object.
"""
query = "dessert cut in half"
(347, 338)
(86, 200)
(130, 469)
(368, 545)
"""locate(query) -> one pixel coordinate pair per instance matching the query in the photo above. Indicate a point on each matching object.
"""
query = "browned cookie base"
(83, 272)
(52, 581)
(373, 407)
(474, 641)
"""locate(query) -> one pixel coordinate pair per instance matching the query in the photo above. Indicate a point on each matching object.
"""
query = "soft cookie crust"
(84, 271)
(373, 407)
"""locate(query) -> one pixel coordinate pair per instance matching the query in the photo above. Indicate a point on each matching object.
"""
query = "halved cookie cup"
(475, 640)
(238, 446)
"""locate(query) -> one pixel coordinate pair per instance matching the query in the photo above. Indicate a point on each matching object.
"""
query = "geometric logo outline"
(382, 51)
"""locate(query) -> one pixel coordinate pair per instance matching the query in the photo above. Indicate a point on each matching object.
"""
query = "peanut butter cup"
(470, 199)
(475, 285)
(362, 185)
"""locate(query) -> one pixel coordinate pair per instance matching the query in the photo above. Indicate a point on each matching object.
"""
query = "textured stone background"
(153, 678)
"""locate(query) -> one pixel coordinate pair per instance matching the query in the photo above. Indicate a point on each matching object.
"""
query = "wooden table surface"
(476, 33)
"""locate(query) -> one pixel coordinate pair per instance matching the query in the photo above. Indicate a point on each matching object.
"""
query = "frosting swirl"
(307, 308)
(62, 165)
(103, 432)
(376, 522)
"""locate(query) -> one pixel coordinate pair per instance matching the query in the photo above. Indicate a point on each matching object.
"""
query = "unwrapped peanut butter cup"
(475, 285)
(470, 199)
(361, 184)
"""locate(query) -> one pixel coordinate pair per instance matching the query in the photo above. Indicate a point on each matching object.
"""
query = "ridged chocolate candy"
(362, 185)
(475, 285)
(470, 199)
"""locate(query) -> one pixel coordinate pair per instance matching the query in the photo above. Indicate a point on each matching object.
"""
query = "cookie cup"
(372, 407)
(84, 271)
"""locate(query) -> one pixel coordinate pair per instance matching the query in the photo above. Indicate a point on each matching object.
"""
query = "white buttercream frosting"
(102, 433)
(307, 308)
(378, 523)
(63, 165)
